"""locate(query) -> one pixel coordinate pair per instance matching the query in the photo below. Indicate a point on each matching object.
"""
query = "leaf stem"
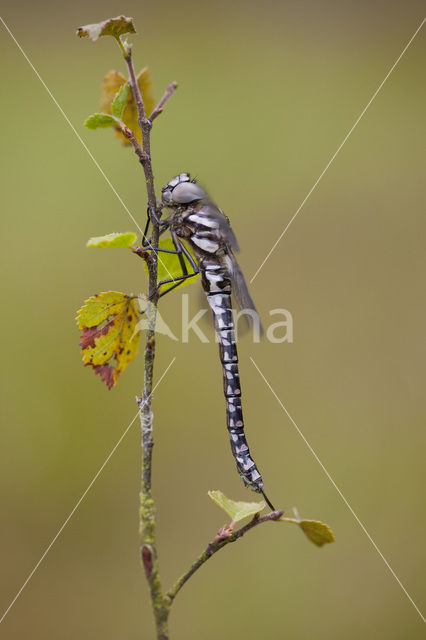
(121, 45)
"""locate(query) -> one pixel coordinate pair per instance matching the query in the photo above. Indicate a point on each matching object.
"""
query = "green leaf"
(113, 240)
(236, 510)
(169, 265)
(120, 101)
(317, 532)
(100, 120)
(115, 27)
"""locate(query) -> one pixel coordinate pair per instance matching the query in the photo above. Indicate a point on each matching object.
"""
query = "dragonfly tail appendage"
(268, 502)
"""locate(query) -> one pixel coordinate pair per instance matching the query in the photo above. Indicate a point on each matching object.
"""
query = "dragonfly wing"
(242, 295)
(230, 238)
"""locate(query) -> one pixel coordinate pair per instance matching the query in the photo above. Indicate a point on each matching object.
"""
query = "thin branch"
(145, 126)
(225, 536)
(147, 511)
(143, 158)
(167, 95)
(135, 87)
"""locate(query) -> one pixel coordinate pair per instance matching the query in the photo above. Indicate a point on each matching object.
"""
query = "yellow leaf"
(110, 337)
(113, 81)
(317, 532)
(99, 307)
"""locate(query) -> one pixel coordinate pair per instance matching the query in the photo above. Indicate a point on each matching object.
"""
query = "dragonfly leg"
(151, 214)
(147, 242)
(176, 284)
(181, 251)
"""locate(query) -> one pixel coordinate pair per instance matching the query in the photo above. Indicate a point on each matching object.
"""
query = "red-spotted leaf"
(109, 333)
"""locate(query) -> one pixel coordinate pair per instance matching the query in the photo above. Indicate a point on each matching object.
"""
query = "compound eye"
(187, 192)
(173, 182)
(166, 195)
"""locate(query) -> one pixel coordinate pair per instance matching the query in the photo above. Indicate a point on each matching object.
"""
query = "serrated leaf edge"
(117, 234)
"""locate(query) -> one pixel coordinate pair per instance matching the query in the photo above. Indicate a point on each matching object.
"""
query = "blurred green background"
(267, 92)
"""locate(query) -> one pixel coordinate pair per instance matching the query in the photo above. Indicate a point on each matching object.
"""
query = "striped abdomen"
(217, 286)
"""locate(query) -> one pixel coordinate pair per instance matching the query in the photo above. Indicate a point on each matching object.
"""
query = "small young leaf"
(110, 336)
(168, 263)
(111, 85)
(236, 510)
(100, 120)
(113, 240)
(120, 101)
(115, 27)
(317, 532)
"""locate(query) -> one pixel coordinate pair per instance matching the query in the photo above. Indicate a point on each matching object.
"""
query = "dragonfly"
(196, 220)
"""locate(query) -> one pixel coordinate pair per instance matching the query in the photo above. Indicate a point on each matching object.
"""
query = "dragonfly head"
(181, 190)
